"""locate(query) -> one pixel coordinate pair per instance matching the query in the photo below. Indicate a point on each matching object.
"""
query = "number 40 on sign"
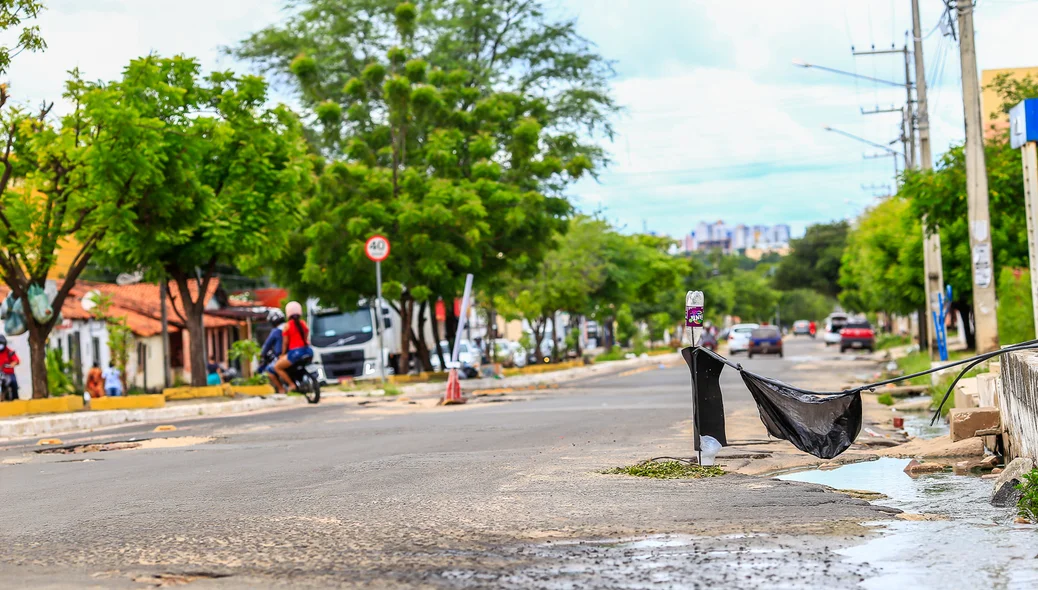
(377, 248)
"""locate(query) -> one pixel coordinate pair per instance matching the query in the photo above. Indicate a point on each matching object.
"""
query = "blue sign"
(1023, 123)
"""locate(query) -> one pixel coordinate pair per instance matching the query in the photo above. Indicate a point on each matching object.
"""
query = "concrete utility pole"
(977, 189)
(933, 266)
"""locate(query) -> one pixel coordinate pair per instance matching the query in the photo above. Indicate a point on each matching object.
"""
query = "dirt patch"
(152, 443)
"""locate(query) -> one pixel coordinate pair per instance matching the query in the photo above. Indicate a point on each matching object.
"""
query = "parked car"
(801, 328)
(833, 324)
(857, 335)
(739, 337)
(765, 340)
(510, 354)
(468, 354)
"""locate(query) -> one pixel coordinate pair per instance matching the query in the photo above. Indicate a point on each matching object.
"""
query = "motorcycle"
(303, 380)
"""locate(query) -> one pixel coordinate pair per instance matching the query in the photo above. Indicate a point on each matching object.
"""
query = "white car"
(468, 354)
(833, 324)
(739, 337)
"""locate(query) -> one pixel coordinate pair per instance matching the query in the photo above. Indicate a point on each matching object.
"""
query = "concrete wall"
(1018, 400)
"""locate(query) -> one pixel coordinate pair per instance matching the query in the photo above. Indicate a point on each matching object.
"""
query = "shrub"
(886, 399)
(1027, 505)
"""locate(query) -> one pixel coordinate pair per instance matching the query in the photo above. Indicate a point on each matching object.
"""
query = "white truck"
(346, 343)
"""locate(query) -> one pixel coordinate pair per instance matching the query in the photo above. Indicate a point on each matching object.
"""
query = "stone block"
(966, 422)
(987, 391)
(1005, 492)
(966, 393)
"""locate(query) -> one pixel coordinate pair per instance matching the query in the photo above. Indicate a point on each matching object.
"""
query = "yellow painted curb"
(49, 441)
(196, 392)
(165, 428)
(18, 407)
(130, 402)
(252, 389)
(49, 405)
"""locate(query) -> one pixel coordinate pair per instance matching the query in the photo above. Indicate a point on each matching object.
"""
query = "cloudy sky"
(719, 123)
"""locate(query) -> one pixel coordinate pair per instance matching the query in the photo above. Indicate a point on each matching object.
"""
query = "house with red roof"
(83, 339)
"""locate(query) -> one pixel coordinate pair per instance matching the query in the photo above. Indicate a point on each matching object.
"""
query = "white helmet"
(276, 317)
(293, 309)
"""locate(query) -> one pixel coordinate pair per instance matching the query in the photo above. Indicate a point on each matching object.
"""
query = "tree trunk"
(194, 320)
(922, 328)
(965, 308)
(491, 333)
(450, 324)
(437, 338)
(196, 345)
(38, 358)
(554, 338)
(576, 326)
(405, 334)
(538, 337)
(419, 339)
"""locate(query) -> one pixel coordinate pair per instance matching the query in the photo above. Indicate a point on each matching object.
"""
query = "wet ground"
(506, 495)
(968, 544)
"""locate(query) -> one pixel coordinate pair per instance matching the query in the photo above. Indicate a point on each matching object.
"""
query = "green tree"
(231, 195)
(804, 304)
(882, 268)
(14, 15)
(814, 260)
(490, 102)
(72, 182)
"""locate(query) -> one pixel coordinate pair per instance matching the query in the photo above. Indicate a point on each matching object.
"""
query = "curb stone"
(57, 423)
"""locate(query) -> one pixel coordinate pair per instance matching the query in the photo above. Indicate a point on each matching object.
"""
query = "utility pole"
(933, 266)
(984, 319)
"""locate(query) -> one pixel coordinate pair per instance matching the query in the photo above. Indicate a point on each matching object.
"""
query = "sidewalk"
(47, 424)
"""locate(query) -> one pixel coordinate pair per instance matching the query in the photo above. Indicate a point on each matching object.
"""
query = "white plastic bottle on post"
(693, 317)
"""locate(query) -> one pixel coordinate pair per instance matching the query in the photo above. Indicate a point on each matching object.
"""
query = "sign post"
(1023, 134)
(377, 249)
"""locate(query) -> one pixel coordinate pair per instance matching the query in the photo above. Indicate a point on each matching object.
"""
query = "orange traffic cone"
(453, 395)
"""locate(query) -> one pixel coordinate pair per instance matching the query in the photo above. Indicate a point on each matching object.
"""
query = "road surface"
(505, 494)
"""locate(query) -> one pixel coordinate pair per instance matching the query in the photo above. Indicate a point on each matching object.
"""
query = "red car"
(857, 335)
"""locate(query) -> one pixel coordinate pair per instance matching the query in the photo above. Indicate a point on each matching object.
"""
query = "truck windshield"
(342, 328)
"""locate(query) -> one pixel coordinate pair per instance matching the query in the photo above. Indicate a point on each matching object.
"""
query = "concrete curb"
(54, 424)
(561, 376)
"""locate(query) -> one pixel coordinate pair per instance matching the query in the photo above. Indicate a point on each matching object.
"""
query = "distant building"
(740, 238)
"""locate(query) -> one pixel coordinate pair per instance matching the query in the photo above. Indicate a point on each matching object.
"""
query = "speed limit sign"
(377, 248)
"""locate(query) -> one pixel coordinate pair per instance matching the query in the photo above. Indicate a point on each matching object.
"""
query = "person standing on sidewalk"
(8, 361)
(95, 382)
(113, 380)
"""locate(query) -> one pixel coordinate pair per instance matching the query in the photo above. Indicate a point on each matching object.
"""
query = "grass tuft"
(886, 399)
(391, 389)
(667, 470)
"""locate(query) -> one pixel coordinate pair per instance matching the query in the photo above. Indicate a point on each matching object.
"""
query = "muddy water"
(975, 545)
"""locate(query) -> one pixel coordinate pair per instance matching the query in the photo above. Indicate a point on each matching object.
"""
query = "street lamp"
(804, 64)
(890, 151)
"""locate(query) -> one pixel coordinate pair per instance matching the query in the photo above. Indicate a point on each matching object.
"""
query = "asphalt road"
(503, 494)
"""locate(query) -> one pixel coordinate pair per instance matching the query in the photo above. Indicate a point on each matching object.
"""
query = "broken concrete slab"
(966, 422)
(934, 448)
(916, 468)
(966, 393)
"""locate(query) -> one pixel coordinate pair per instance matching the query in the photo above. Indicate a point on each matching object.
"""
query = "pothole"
(167, 580)
(147, 443)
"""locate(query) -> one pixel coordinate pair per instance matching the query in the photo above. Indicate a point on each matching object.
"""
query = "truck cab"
(346, 344)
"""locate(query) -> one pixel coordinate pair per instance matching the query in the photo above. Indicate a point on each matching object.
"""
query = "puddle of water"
(918, 425)
(978, 546)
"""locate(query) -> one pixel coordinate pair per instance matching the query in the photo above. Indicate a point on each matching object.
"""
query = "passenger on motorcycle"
(272, 347)
(8, 361)
(296, 342)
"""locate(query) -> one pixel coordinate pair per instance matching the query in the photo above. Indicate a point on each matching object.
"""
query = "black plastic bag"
(821, 424)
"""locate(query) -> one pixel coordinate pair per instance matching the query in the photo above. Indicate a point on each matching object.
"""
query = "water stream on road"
(974, 544)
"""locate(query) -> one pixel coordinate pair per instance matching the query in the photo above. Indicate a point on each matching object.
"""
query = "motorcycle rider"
(8, 361)
(296, 341)
(272, 348)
